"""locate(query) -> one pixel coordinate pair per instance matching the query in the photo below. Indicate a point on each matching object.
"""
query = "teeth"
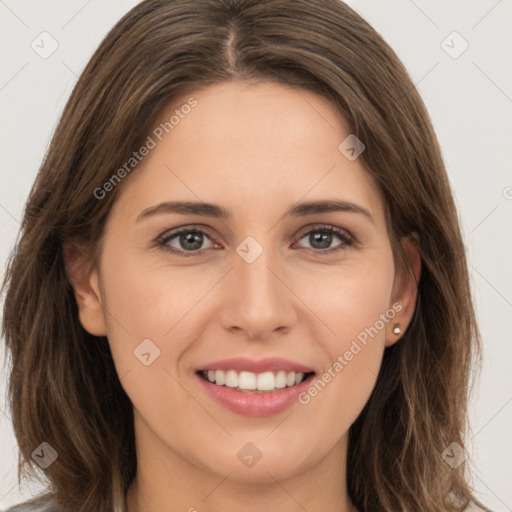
(266, 381)
(219, 377)
(280, 379)
(247, 380)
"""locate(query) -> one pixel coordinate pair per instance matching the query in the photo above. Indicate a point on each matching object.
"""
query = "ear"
(85, 283)
(405, 290)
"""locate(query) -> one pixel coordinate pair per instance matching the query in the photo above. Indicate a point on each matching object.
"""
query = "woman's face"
(271, 279)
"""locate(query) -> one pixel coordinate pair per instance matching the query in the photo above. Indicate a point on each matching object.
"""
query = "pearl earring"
(396, 329)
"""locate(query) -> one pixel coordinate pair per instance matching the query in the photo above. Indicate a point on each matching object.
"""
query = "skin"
(256, 149)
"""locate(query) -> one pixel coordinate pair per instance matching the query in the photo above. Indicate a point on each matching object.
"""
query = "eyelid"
(326, 227)
(188, 227)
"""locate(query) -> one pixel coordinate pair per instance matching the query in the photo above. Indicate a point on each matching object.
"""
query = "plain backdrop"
(468, 92)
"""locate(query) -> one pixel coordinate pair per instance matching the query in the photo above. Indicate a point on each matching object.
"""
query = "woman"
(312, 347)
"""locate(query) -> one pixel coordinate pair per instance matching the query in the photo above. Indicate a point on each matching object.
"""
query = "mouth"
(255, 383)
(255, 387)
(254, 394)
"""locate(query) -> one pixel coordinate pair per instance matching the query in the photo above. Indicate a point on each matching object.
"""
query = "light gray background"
(470, 102)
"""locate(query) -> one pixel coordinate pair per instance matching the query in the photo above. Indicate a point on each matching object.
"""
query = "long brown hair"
(63, 386)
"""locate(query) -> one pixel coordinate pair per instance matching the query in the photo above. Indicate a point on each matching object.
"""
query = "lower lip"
(255, 404)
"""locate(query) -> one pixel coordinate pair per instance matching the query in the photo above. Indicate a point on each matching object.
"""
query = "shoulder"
(41, 504)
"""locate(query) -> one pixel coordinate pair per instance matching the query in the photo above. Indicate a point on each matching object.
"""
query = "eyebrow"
(218, 212)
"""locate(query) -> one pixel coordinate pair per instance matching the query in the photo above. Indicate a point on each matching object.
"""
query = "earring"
(396, 329)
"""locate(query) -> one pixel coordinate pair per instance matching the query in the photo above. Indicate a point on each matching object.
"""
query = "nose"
(258, 298)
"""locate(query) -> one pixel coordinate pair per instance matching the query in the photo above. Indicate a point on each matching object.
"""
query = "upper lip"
(266, 364)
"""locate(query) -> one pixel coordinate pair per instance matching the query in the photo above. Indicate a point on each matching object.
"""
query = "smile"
(245, 381)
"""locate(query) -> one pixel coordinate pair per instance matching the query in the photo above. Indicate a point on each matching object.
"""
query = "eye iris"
(323, 237)
(193, 237)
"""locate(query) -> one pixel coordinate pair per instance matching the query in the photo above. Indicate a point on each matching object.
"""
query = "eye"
(321, 238)
(188, 240)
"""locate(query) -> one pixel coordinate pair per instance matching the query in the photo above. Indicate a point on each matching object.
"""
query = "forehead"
(250, 146)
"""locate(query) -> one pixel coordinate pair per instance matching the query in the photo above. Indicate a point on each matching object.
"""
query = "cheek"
(152, 314)
(147, 298)
(354, 304)
(351, 298)
(160, 304)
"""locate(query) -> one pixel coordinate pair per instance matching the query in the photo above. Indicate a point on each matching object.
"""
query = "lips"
(255, 387)
(268, 364)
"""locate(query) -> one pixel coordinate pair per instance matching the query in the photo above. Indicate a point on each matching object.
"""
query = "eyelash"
(347, 240)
